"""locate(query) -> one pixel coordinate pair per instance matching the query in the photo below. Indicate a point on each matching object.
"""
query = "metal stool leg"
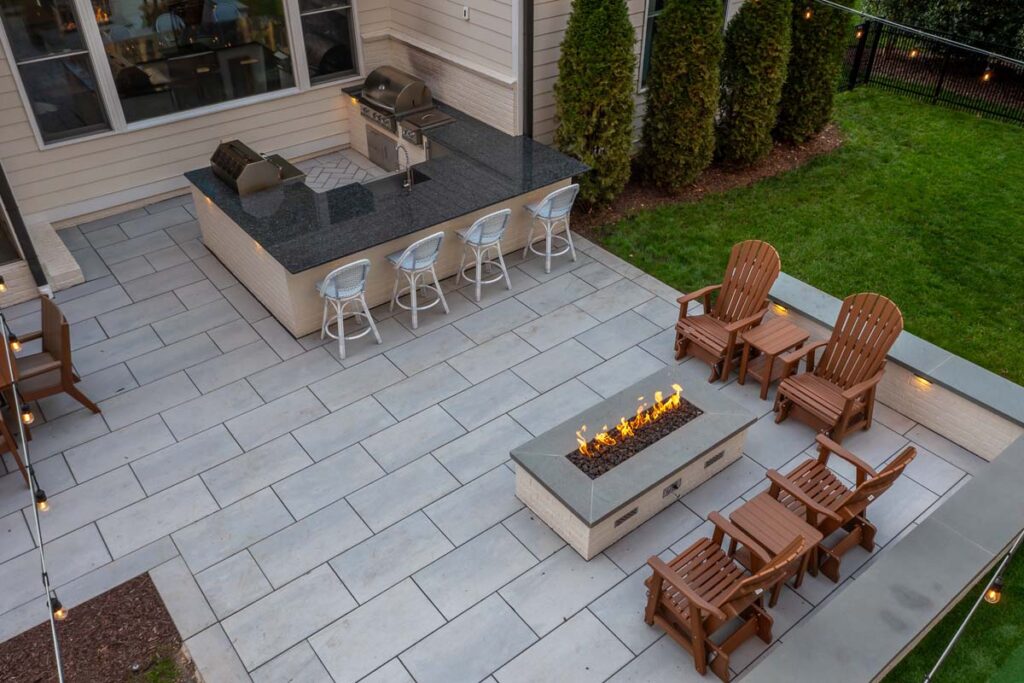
(501, 262)
(394, 291)
(568, 236)
(369, 318)
(547, 246)
(462, 264)
(440, 294)
(479, 269)
(339, 308)
(529, 238)
(412, 300)
(323, 321)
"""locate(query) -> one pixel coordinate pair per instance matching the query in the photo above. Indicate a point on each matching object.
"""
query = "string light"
(27, 416)
(41, 503)
(808, 13)
(986, 75)
(995, 592)
(914, 52)
(860, 31)
(14, 342)
(60, 613)
(3, 284)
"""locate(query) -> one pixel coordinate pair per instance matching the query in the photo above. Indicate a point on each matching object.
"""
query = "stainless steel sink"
(395, 183)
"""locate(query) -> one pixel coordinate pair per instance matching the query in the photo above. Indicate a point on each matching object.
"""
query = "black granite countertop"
(472, 166)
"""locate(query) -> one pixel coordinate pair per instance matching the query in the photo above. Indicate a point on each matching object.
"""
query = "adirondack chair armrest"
(662, 570)
(786, 485)
(702, 293)
(740, 325)
(829, 447)
(791, 360)
(862, 387)
(723, 525)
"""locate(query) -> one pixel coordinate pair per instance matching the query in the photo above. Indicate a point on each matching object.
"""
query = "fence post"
(874, 52)
(942, 75)
(858, 55)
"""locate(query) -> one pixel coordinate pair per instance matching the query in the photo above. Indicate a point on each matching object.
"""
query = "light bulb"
(26, 415)
(41, 503)
(995, 592)
(3, 285)
(59, 612)
(15, 343)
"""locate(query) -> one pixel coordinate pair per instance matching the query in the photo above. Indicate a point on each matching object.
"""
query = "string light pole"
(39, 503)
(992, 594)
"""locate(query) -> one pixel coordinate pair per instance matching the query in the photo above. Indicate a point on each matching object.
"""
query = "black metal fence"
(937, 70)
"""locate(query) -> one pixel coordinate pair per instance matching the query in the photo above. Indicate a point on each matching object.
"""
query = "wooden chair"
(8, 418)
(741, 303)
(812, 490)
(703, 589)
(49, 371)
(837, 395)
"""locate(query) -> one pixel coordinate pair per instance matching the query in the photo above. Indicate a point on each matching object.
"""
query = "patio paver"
(353, 518)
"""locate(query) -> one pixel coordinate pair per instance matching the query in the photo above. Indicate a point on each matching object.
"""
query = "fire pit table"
(599, 475)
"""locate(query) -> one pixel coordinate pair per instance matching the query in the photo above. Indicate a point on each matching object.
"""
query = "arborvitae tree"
(815, 59)
(682, 93)
(594, 95)
(753, 71)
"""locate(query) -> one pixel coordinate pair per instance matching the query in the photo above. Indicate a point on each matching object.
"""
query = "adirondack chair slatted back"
(766, 577)
(753, 268)
(876, 486)
(867, 327)
(56, 336)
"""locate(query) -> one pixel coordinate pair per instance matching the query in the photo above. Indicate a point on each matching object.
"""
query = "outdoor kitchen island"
(279, 242)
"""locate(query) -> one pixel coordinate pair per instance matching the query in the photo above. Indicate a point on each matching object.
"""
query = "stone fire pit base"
(591, 514)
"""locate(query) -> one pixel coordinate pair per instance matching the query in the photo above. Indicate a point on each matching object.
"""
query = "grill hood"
(396, 92)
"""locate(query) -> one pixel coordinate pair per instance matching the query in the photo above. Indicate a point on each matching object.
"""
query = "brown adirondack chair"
(812, 490)
(741, 303)
(837, 395)
(703, 589)
(8, 418)
(49, 371)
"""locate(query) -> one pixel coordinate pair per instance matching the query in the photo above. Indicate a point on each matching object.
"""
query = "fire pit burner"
(610, 447)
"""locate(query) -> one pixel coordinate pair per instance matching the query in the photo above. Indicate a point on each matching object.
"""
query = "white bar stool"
(415, 263)
(485, 234)
(552, 212)
(343, 286)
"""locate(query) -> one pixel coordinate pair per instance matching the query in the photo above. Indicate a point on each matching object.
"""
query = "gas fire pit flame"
(625, 429)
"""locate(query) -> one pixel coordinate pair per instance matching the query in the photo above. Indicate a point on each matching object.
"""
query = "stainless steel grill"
(390, 94)
(248, 171)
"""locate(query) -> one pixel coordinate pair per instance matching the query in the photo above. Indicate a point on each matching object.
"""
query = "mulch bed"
(639, 197)
(100, 640)
(610, 456)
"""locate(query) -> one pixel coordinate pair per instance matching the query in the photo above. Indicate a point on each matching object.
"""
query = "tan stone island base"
(292, 297)
(587, 540)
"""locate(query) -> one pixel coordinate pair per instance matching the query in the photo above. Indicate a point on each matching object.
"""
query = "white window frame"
(648, 15)
(107, 90)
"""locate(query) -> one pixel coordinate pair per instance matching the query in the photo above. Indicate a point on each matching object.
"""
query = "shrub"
(815, 59)
(995, 25)
(594, 95)
(682, 93)
(753, 71)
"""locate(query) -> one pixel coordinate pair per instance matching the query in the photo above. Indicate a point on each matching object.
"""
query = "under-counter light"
(922, 382)
(3, 284)
(779, 309)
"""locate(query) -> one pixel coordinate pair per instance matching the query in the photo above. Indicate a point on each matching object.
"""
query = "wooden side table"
(774, 337)
(771, 524)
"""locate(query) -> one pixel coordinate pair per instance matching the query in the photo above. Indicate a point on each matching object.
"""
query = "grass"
(991, 649)
(922, 204)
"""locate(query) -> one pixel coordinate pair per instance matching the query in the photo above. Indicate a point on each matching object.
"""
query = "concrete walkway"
(314, 520)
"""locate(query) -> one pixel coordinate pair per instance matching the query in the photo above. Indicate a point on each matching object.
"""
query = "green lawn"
(922, 204)
(991, 649)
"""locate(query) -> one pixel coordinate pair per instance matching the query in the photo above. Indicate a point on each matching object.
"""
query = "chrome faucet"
(400, 148)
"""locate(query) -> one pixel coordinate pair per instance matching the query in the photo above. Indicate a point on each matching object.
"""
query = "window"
(168, 56)
(56, 73)
(654, 8)
(328, 35)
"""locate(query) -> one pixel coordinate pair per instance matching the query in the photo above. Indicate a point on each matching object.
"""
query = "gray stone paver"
(342, 519)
